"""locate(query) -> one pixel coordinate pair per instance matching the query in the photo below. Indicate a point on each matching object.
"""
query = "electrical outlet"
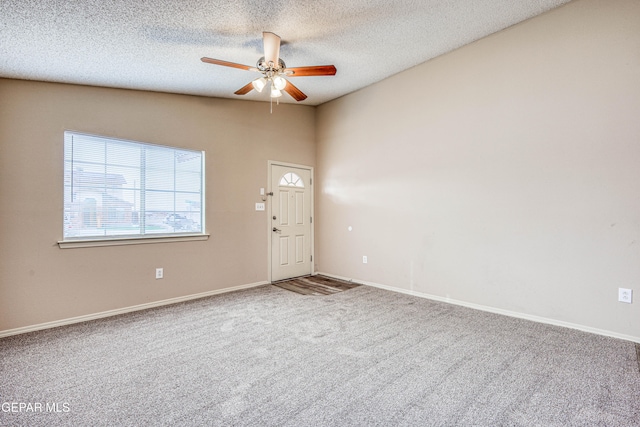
(625, 295)
(364, 259)
(159, 273)
(259, 206)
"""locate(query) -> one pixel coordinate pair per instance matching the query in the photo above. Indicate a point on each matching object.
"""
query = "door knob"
(275, 230)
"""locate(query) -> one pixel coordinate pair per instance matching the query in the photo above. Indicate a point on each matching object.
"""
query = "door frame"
(270, 190)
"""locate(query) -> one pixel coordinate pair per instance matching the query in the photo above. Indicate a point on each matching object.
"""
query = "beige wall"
(40, 282)
(505, 174)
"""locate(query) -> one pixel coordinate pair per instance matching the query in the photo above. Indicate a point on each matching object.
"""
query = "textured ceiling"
(157, 44)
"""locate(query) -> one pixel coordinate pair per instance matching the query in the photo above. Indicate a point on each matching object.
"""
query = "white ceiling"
(157, 44)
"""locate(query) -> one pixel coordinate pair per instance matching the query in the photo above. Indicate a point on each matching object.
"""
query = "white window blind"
(123, 189)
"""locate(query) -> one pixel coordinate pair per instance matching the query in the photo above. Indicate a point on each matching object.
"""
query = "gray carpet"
(365, 357)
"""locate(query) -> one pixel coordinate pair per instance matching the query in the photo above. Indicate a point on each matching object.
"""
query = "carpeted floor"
(315, 285)
(366, 357)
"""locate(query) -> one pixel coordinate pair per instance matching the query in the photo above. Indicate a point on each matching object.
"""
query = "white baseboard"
(489, 309)
(124, 310)
(109, 313)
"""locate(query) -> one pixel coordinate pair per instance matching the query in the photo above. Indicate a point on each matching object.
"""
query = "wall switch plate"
(364, 259)
(259, 206)
(625, 295)
(262, 191)
(159, 273)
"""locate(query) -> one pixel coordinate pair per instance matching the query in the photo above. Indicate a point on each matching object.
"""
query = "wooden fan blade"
(318, 70)
(245, 89)
(294, 92)
(271, 47)
(227, 64)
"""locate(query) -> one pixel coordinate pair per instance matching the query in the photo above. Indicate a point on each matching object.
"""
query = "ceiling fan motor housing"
(264, 67)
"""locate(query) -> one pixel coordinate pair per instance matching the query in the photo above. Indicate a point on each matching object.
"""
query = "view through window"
(115, 189)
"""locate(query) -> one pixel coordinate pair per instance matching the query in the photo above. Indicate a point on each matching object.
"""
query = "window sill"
(71, 244)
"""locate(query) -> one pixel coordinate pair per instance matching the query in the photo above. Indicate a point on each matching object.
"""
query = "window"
(291, 180)
(115, 189)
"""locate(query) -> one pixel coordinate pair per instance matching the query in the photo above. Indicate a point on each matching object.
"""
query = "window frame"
(133, 239)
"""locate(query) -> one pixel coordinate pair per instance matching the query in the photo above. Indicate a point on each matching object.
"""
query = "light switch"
(259, 206)
(262, 191)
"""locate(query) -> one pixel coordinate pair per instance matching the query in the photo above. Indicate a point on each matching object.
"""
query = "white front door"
(290, 222)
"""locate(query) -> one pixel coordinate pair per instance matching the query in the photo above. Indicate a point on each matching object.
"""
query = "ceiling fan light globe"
(259, 84)
(279, 82)
(275, 93)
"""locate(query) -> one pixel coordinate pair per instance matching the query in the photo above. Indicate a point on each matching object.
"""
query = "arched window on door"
(291, 180)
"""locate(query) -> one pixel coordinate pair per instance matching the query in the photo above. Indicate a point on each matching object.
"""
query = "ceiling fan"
(274, 71)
